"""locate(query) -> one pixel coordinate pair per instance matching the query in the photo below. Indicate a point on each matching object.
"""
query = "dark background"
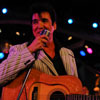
(84, 14)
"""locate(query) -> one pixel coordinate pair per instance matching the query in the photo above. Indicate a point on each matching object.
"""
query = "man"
(43, 53)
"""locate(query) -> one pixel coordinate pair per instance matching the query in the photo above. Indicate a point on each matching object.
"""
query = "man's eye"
(44, 20)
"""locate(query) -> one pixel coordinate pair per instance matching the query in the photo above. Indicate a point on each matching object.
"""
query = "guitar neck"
(82, 97)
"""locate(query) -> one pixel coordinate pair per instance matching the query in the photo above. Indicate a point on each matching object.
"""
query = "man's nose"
(40, 24)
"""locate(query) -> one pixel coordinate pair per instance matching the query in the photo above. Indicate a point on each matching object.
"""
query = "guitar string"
(75, 95)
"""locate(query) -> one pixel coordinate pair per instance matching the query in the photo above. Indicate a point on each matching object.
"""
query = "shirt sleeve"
(18, 59)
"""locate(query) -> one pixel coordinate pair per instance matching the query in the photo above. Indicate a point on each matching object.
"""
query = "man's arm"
(18, 59)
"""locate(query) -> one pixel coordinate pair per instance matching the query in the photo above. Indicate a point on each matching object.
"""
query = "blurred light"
(95, 25)
(23, 34)
(70, 37)
(89, 50)
(4, 10)
(86, 46)
(6, 48)
(70, 21)
(82, 53)
(1, 55)
(96, 89)
(17, 33)
(97, 75)
(0, 30)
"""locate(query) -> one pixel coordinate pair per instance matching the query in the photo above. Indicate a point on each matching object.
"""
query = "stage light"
(86, 46)
(1, 55)
(70, 21)
(95, 25)
(4, 10)
(24, 34)
(0, 30)
(70, 38)
(89, 50)
(18, 33)
(82, 53)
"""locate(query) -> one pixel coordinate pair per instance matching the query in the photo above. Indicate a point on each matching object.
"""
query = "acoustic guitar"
(40, 86)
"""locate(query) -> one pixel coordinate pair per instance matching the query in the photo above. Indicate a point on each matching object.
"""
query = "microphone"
(45, 32)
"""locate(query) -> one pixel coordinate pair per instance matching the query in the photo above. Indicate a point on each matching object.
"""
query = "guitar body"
(45, 84)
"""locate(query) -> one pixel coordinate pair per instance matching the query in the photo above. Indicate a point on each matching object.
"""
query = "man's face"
(41, 22)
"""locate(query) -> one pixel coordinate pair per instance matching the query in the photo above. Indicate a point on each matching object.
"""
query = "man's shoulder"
(67, 50)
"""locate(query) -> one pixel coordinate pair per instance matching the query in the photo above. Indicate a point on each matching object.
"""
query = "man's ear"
(55, 26)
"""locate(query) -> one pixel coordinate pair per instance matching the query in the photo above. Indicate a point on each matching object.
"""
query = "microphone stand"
(25, 79)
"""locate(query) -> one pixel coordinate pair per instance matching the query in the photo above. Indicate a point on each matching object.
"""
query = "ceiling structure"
(83, 12)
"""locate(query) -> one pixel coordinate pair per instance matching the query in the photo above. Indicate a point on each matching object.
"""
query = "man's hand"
(38, 43)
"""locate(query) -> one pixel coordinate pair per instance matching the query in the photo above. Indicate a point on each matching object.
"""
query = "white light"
(70, 21)
(95, 25)
(4, 10)
(0, 30)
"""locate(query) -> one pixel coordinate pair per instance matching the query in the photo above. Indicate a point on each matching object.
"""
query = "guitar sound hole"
(57, 96)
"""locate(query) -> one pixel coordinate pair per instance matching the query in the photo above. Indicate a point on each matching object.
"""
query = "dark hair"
(41, 7)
